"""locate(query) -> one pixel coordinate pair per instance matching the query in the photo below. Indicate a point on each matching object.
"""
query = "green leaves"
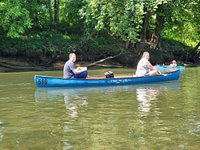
(182, 21)
(121, 18)
(14, 18)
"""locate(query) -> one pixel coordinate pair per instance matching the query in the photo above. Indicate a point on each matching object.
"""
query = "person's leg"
(80, 75)
(154, 73)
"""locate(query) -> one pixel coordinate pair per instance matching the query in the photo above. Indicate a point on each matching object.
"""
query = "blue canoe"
(47, 81)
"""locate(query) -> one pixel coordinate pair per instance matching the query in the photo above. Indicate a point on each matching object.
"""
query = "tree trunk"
(143, 34)
(127, 44)
(197, 46)
(50, 14)
(160, 19)
(56, 11)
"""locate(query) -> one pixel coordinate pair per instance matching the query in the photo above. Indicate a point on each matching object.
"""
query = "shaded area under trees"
(43, 32)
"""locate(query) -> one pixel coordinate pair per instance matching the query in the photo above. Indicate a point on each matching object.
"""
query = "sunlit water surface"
(150, 116)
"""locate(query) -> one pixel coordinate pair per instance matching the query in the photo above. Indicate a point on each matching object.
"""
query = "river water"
(149, 116)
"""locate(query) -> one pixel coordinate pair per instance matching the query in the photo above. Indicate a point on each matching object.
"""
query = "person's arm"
(151, 67)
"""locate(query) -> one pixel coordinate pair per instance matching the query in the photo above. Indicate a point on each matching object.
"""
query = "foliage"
(182, 23)
(70, 12)
(53, 28)
(14, 17)
(120, 18)
(54, 46)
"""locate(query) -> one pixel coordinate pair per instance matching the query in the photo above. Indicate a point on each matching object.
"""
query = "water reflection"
(72, 103)
(145, 96)
(77, 98)
(46, 94)
(74, 99)
(147, 93)
(82, 105)
(1, 131)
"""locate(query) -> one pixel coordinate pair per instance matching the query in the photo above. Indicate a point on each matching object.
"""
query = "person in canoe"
(173, 63)
(145, 68)
(70, 71)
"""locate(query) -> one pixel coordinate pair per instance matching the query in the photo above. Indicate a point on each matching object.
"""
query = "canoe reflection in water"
(146, 94)
(76, 99)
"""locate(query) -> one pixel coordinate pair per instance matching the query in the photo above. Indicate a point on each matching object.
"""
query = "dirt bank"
(19, 65)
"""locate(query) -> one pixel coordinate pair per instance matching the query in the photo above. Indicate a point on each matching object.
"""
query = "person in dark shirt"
(70, 71)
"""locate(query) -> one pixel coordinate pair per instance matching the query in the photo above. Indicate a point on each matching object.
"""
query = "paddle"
(102, 60)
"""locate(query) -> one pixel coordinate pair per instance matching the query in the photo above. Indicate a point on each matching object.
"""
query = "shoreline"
(17, 65)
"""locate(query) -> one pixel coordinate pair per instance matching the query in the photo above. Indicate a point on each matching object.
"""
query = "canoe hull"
(46, 81)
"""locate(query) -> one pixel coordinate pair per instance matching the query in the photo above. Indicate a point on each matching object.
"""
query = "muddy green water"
(151, 116)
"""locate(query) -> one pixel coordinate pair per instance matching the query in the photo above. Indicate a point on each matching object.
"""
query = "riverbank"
(19, 65)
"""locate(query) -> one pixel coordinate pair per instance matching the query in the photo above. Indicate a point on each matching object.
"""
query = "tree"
(15, 17)
(56, 10)
(126, 19)
(182, 21)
